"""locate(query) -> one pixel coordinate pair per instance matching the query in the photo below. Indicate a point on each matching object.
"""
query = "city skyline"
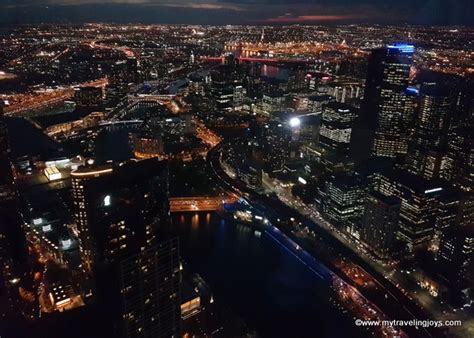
(253, 180)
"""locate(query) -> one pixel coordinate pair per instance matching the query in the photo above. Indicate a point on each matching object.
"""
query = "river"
(259, 279)
(254, 275)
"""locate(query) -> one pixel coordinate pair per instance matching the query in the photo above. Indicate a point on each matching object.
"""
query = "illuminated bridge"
(119, 122)
(259, 59)
(194, 204)
(150, 97)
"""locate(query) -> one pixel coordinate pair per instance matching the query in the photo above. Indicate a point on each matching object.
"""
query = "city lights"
(295, 122)
(296, 159)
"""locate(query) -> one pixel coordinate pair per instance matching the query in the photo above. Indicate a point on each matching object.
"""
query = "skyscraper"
(119, 210)
(121, 74)
(455, 258)
(13, 251)
(222, 91)
(6, 177)
(458, 161)
(388, 108)
(419, 205)
(380, 223)
(428, 144)
(150, 287)
(336, 127)
(343, 202)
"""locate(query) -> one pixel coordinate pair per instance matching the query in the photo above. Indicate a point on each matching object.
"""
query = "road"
(387, 297)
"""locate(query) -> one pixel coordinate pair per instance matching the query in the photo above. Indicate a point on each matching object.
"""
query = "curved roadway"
(392, 301)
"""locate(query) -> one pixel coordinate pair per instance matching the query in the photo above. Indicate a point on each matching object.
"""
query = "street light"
(295, 122)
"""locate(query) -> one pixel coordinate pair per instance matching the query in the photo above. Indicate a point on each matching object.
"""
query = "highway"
(25, 103)
(391, 300)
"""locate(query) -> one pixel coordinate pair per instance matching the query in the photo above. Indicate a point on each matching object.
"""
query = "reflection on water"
(195, 221)
(273, 291)
(275, 72)
(112, 144)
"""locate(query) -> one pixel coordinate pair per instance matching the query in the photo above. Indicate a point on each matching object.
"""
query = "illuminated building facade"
(274, 101)
(316, 102)
(223, 90)
(380, 223)
(89, 96)
(387, 109)
(150, 288)
(343, 200)
(455, 258)
(336, 127)
(425, 156)
(238, 96)
(310, 129)
(119, 210)
(458, 161)
(147, 144)
(449, 211)
(277, 140)
(121, 74)
(419, 205)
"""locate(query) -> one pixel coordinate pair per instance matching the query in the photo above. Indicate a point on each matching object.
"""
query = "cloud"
(210, 6)
(185, 4)
(311, 18)
(239, 11)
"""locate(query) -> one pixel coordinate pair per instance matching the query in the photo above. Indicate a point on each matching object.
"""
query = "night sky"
(438, 12)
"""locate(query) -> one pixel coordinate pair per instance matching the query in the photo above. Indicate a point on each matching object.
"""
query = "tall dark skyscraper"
(428, 145)
(387, 109)
(222, 91)
(121, 74)
(6, 177)
(380, 223)
(13, 251)
(455, 258)
(119, 210)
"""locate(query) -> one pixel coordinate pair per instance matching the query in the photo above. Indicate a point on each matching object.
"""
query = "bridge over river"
(195, 204)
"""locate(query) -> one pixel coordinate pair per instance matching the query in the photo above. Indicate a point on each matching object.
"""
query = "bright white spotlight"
(107, 201)
(295, 122)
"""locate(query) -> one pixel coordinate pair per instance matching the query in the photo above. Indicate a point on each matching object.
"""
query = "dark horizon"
(223, 12)
(236, 168)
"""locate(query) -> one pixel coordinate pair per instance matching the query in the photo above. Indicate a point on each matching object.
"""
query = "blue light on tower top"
(403, 48)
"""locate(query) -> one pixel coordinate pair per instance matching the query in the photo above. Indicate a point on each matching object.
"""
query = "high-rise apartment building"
(119, 210)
